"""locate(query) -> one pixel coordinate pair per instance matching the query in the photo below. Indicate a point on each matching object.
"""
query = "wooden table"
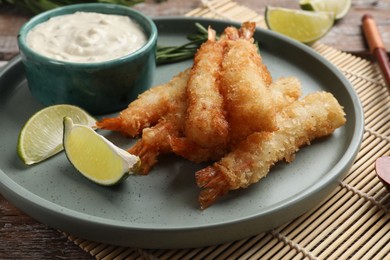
(21, 237)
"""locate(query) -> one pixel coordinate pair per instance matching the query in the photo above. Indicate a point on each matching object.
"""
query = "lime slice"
(339, 8)
(304, 26)
(95, 157)
(41, 136)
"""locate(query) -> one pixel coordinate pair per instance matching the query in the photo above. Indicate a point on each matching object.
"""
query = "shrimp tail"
(213, 185)
(114, 124)
(153, 143)
(211, 34)
(247, 30)
(147, 155)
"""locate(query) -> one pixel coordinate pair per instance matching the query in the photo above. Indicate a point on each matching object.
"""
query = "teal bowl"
(99, 87)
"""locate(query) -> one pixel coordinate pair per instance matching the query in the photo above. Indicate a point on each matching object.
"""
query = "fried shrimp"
(244, 86)
(183, 147)
(315, 116)
(155, 139)
(148, 109)
(246, 32)
(283, 91)
(206, 124)
(226, 109)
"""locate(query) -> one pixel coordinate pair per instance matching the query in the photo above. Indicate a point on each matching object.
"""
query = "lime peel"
(339, 8)
(304, 26)
(95, 157)
(42, 134)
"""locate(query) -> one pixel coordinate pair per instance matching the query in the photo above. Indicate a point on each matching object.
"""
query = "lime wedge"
(41, 136)
(95, 157)
(304, 26)
(339, 8)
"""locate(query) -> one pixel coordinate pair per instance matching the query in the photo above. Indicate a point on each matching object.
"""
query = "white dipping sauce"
(86, 37)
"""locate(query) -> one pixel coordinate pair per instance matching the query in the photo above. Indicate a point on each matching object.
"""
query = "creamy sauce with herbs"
(86, 37)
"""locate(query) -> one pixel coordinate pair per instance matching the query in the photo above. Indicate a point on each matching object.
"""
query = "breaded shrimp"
(283, 91)
(183, 147)
(230, 33)
(166, 136)
(155, 140)
(244, 87)
(315, 116)
(246, 32)
(206, 124)
(148, 108)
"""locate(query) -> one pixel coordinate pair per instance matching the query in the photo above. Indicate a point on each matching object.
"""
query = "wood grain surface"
(21, 237)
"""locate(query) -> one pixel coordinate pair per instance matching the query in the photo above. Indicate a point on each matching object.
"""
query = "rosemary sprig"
(170, 54)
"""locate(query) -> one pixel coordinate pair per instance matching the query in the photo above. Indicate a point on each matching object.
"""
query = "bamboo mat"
(351, 223)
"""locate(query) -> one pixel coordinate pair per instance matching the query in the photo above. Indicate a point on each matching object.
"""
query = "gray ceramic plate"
(161, 210)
